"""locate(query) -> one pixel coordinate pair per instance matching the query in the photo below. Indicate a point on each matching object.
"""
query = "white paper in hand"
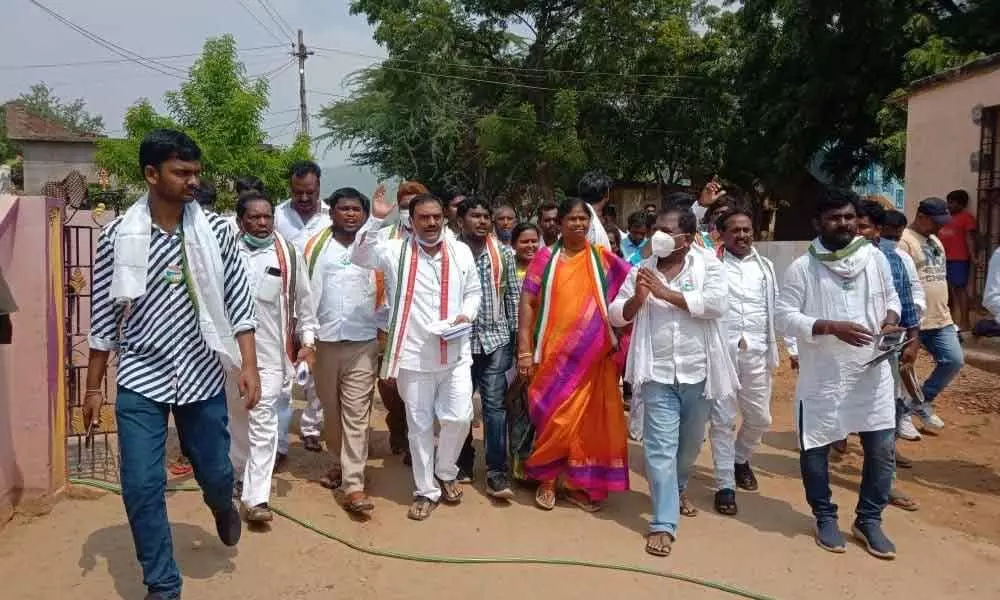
(302, 374)
(457, 331)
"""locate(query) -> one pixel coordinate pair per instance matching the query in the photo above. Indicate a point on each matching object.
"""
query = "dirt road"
(83, 549)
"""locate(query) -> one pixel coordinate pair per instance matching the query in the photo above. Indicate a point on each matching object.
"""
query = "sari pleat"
(574, 401)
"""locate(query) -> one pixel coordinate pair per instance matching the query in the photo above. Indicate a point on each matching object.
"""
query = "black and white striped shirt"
(162, 354)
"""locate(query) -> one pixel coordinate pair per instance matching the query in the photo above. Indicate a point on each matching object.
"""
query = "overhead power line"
(276, 18)
(536, 87)
(110, 61)
(540, 70)
(497, 116)
(269, 30)
(163, 68)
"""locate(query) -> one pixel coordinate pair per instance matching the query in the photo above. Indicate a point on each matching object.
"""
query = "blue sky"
(151, 29)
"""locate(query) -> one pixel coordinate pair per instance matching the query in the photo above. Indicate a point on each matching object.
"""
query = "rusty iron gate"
(95, 458)
(988, 192)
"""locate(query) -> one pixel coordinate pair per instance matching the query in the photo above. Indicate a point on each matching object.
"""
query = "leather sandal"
(421, 508)
(358, 503)
(659, 543)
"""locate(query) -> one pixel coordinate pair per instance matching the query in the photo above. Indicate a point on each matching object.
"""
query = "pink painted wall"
(27, 398)
(941, 136)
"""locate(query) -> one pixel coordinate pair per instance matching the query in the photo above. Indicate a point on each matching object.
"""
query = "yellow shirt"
(928, 256)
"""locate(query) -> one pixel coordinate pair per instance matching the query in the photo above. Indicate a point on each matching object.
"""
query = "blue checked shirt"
(910, 316)
(489, 332)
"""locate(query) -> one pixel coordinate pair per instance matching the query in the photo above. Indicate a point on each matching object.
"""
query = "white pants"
(753, 403)
(284, 416)
(311, 420)
(446, 395)
(254, 438)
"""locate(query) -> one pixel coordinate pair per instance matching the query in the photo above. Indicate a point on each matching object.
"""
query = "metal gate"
(95, 458)
(988, 193)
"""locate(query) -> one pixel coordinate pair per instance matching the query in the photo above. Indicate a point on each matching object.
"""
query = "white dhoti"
(753, 403)
(254, 434)
(446, 395)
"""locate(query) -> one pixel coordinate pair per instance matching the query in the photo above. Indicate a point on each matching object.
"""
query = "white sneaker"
(932, 422)
(906, 431)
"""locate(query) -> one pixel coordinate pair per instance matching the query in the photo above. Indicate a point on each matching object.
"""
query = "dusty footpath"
(949, 549)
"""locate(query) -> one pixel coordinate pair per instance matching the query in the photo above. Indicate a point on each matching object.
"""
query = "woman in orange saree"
(566, 347)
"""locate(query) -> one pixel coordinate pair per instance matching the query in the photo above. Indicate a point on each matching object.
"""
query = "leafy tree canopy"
(222, 109)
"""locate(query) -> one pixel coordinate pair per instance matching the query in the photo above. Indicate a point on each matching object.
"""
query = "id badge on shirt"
(173, 274)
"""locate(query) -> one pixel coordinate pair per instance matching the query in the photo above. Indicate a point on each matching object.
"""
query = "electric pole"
(302, 54)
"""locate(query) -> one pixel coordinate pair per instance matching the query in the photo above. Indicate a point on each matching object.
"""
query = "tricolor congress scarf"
(545, 293)
(314, 249)
(402, 303)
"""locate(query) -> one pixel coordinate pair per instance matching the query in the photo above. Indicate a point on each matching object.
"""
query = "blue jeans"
(876, 477)
(944, 346)
(203, 428)
(489, 376)
(672, 435)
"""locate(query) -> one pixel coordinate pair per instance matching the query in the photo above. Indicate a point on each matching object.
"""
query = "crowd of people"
(434, 298)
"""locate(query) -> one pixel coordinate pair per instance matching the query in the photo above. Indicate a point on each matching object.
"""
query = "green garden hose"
(458, 560)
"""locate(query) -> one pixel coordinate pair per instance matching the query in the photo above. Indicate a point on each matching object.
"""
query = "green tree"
(518, 97)
(222, 109)
(42, 101)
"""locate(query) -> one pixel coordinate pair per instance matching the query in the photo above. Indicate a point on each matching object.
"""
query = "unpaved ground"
(947, 550)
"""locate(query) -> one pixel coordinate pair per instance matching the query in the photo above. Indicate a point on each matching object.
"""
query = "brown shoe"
(312, 444)
(358, 503)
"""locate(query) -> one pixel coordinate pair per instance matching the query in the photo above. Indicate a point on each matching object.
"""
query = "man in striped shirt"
(165, 362)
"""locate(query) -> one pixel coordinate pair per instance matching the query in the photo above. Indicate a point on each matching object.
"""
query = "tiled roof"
(984, 64)
(24, 125)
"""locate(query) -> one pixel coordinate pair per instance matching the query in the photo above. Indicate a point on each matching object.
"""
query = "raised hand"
(380, 206)
(711, 192)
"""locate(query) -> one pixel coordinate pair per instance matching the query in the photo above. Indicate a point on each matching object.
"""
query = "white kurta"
(289, 224)
(835, 394)
(420, 349)
(256, 434)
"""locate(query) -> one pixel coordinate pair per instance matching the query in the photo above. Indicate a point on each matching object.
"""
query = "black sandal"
(725, 502)
(745, 479)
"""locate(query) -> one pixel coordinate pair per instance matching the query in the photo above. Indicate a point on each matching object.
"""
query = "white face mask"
(662, 244)
(404, 219)
(427, 244)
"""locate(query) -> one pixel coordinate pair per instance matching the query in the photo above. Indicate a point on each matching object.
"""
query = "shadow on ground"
(114, 546)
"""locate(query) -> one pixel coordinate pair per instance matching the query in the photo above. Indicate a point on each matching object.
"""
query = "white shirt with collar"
(747, 317)
(679, 337)
(345, 296)
(288, 222)
(420, 350)
(263, 272)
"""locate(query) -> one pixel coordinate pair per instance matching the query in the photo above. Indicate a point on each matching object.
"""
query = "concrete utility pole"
(302, 54)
